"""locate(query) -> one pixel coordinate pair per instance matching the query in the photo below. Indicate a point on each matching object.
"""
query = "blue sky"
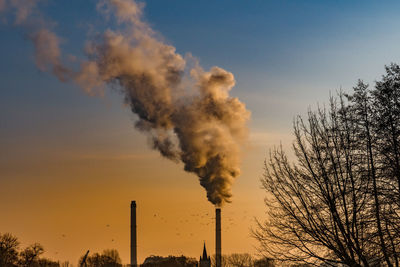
(285, 55)
(278, 50)
(261, 34)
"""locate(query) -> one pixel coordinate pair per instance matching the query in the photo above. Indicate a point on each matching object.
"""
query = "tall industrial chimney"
(133, 235)
(218, 257)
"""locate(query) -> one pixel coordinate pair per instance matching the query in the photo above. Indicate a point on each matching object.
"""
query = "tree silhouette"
(109, 258)
(338, 203)
(10, 256)
(240, 260)
(8, 250)
(30, 255)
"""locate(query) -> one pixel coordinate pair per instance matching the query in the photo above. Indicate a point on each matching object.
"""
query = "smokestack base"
(218, 255)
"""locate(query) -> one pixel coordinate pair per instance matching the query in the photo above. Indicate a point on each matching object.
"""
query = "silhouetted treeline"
(109, 258)
(11, 255)
(232, 260)
(339, 202)
(243, 260)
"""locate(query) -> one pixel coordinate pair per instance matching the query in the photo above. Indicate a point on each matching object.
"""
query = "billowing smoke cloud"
(196, 123)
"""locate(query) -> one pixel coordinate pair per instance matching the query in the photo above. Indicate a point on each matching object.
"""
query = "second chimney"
(133, 235)
(218, 256)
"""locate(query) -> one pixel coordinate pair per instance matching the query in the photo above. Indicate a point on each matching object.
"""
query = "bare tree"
(109, 258)
(316, 206)
(240, 260)
(339, 203)
(386, 111)
(30, 255)
(112, 256)
(8, 250)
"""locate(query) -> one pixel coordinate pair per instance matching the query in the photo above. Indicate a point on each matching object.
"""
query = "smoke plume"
(196, 123)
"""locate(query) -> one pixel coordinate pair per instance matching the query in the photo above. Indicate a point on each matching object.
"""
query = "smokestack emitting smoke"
(133, 235)
(218, 253)
(186, 112)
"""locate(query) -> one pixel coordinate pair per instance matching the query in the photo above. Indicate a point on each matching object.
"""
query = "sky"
(71, 162)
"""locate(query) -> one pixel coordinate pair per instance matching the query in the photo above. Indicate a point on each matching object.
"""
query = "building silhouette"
(205, 261)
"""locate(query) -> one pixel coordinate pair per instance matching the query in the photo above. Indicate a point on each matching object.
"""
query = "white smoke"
(205, 130)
